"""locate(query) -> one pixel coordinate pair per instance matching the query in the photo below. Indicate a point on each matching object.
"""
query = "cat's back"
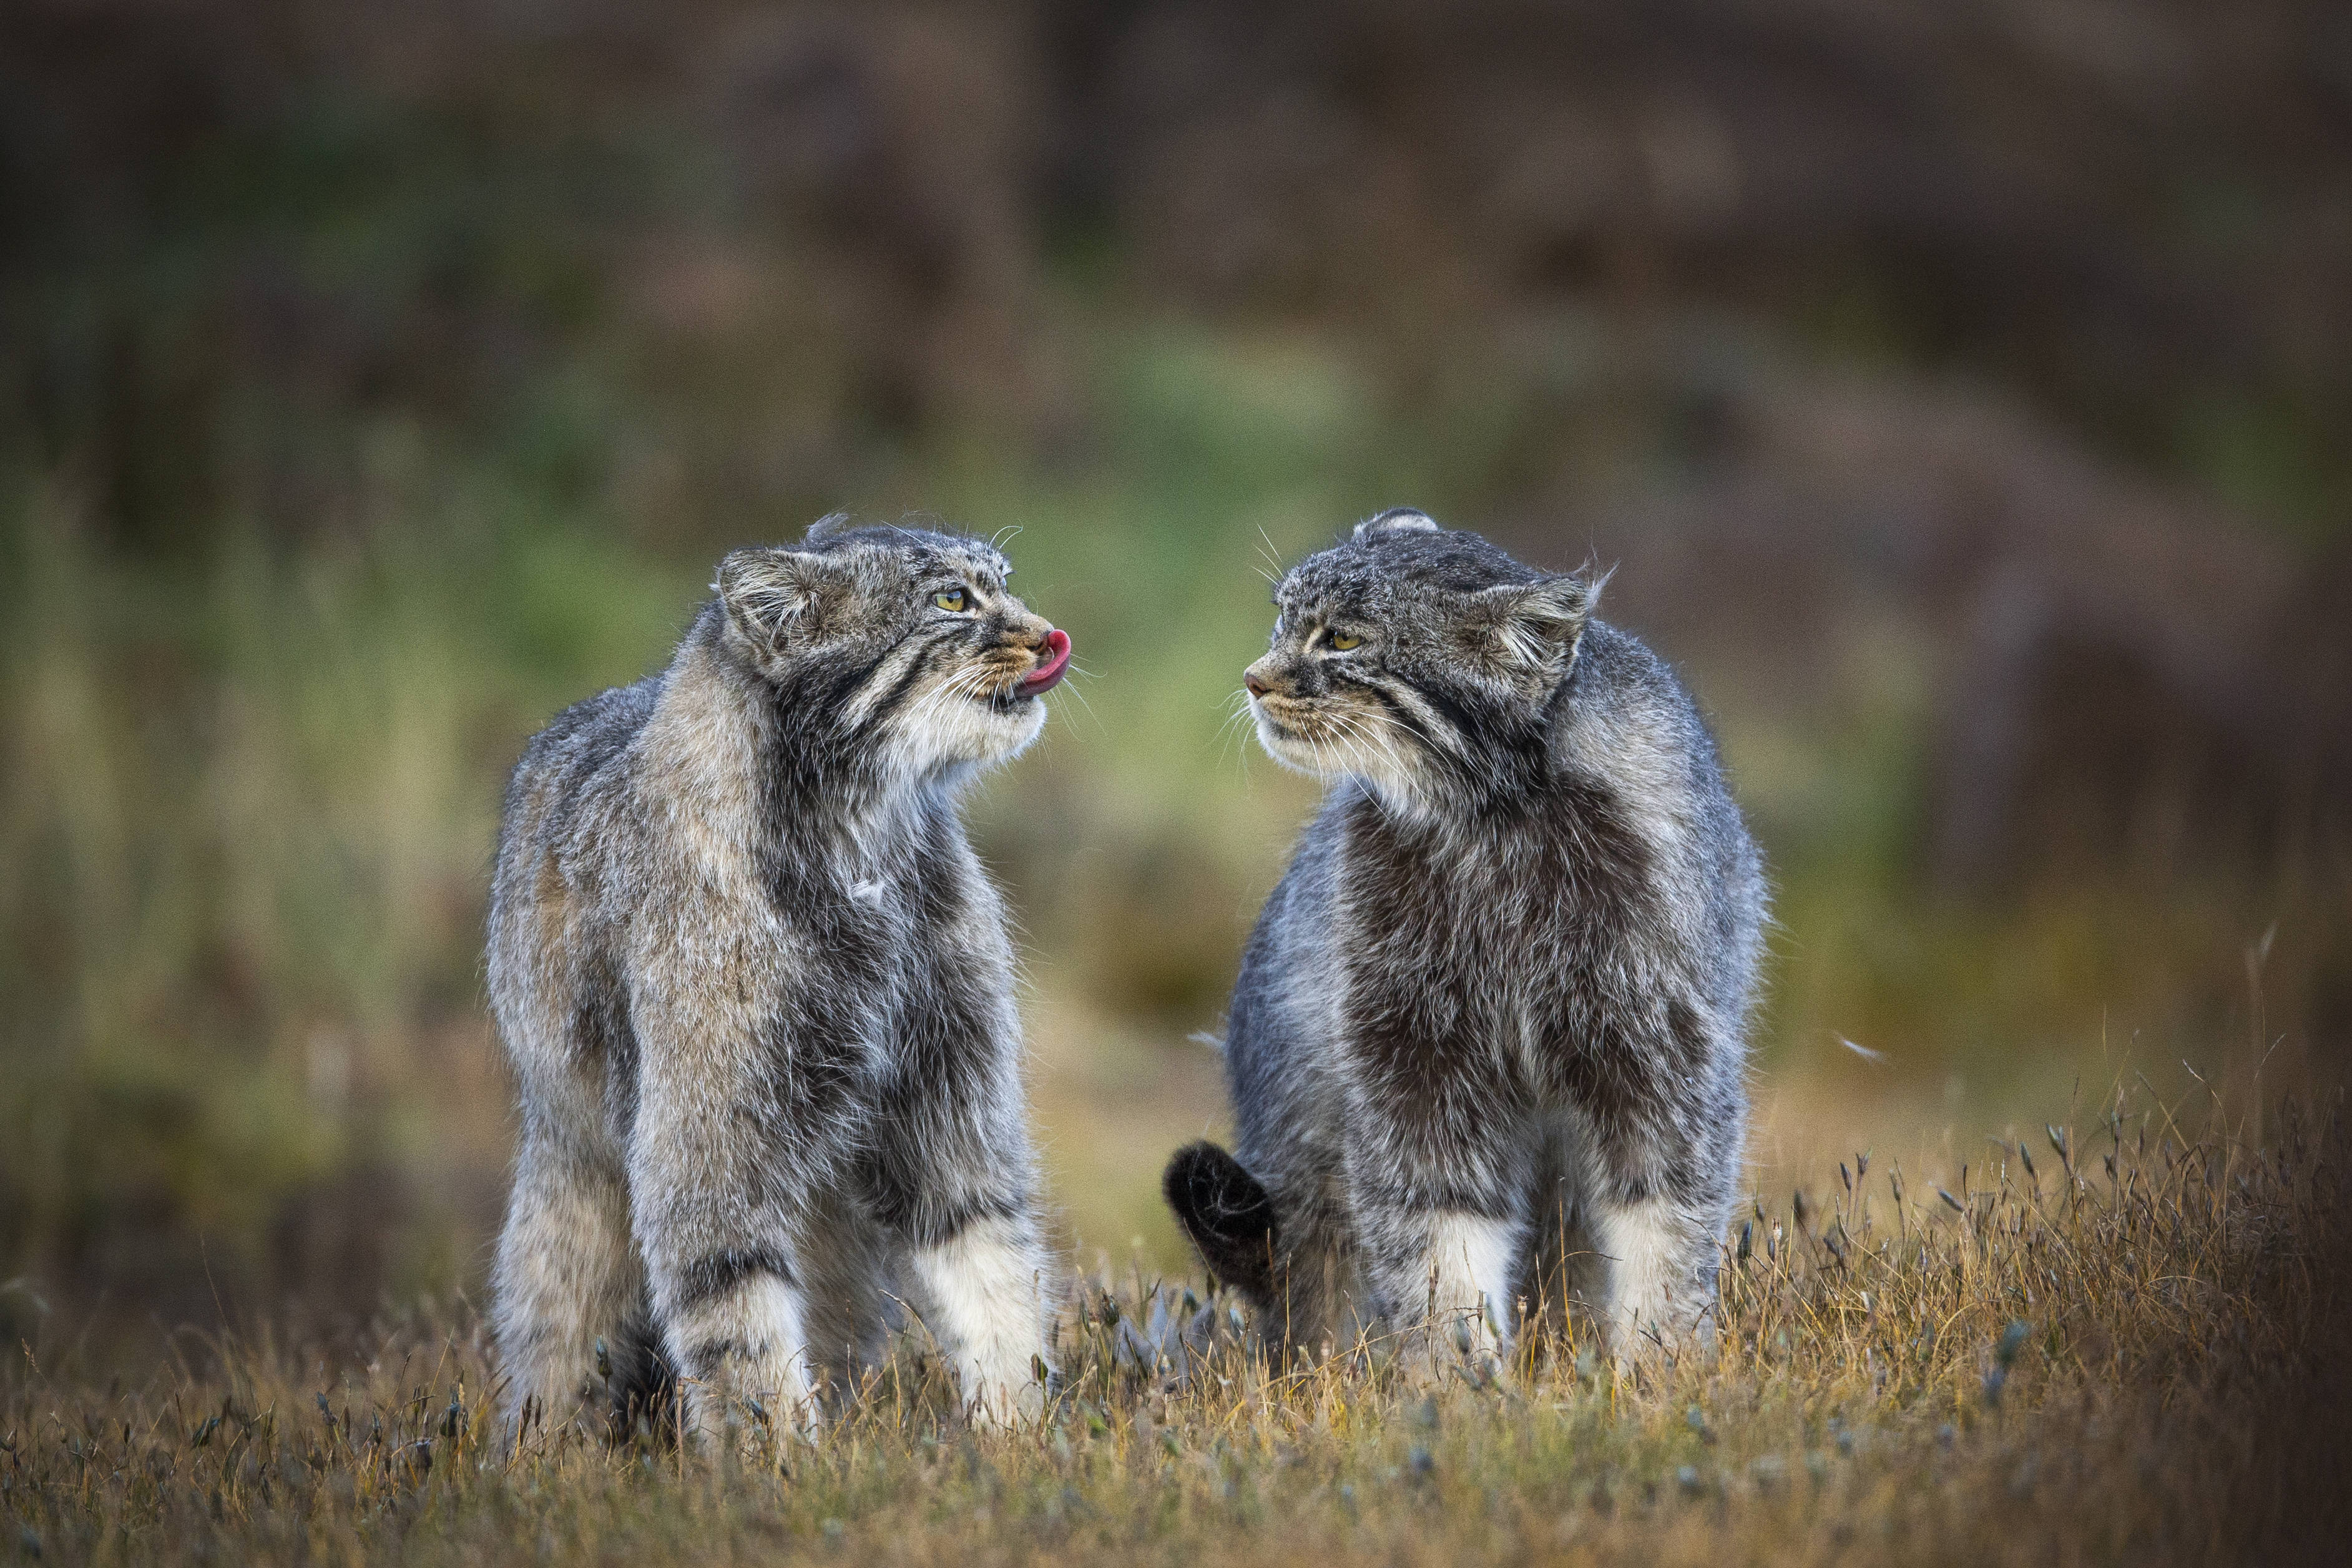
(550, 969)
(1623, 708)
(1628, 726)
(1295, 928)
(583, 753)
(1284, 996)
(568, 795)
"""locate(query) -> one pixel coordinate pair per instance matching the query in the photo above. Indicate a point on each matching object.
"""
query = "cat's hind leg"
(847, 1257)
(566, 1281)
(1288, 1254)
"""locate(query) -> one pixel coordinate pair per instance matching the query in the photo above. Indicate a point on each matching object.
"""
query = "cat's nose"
(1053, 656)
(1255, 682)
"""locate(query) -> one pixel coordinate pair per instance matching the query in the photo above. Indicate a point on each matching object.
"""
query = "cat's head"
(1421, 659)
(901, 639)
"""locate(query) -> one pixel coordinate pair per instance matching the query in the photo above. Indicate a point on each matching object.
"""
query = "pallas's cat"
(1487, 1049)
(758, 996)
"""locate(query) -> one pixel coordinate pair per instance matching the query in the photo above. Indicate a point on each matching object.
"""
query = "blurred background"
(1962, 391)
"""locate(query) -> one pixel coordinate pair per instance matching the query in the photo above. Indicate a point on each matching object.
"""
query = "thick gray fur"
(758, 994)
(1486, 1051)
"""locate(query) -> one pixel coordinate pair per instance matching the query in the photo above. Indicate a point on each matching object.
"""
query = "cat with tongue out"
(758, 995)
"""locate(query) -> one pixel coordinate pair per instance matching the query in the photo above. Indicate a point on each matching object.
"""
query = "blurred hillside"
(1960, 391)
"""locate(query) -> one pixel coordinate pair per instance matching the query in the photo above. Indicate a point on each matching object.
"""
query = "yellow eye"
(1342, 641)
(953, 599)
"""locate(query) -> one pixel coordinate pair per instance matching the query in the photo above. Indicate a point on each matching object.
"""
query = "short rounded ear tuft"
(1397, 520)
(1540, 624)
(768, 591)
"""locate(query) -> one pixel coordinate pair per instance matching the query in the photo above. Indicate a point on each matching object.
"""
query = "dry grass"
(2125, 1346)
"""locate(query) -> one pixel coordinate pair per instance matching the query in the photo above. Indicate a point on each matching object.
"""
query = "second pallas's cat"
(1487, 1046)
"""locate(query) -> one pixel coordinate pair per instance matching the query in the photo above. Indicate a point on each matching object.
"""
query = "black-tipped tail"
(640, 1381)
(1227, 1213)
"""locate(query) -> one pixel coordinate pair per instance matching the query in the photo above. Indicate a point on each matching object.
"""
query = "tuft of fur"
(1226, 1214)
(1487, 1047)
(757, 993)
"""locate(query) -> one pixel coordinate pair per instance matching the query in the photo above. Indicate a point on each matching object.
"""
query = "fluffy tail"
(1227, 1213)
(641, 1381)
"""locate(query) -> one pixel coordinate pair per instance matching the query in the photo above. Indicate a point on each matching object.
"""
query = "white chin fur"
(1386, 768)
(1293, 752)
(966, 734)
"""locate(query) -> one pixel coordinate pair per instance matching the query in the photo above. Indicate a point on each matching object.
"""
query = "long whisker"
(1368, 738)
(1358, 738)
(1238, 715)
(1375, 726)
(1078, 692)
(1273, 555)
(1389, 731)
(960, 684)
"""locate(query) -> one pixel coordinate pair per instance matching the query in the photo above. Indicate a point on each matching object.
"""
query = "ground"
(2125, 1345)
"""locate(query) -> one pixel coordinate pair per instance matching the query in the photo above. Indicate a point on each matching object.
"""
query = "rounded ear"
(771, 593)
(1397, 520)
(1538, 625)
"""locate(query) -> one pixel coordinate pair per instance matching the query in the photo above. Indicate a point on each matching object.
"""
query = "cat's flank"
(1487, 1043)
(758, 994)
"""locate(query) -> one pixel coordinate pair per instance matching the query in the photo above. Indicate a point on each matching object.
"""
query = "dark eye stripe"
(1420, 711)
(1450, 710)
(928, 649)
(893, 662)
(899, 691)
(1414, 724)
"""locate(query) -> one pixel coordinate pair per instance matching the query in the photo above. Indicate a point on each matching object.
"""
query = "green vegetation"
(248, 795)
(365, 397)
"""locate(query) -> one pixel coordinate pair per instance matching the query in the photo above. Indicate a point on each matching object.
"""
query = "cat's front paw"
(1481, 1356)
(995, 1404)
(746, 1410)
(1459, 1347)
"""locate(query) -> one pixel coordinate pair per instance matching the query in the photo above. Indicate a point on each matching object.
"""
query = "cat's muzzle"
(1053, 663)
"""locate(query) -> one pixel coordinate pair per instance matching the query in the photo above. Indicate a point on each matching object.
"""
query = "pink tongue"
(1048, 675)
